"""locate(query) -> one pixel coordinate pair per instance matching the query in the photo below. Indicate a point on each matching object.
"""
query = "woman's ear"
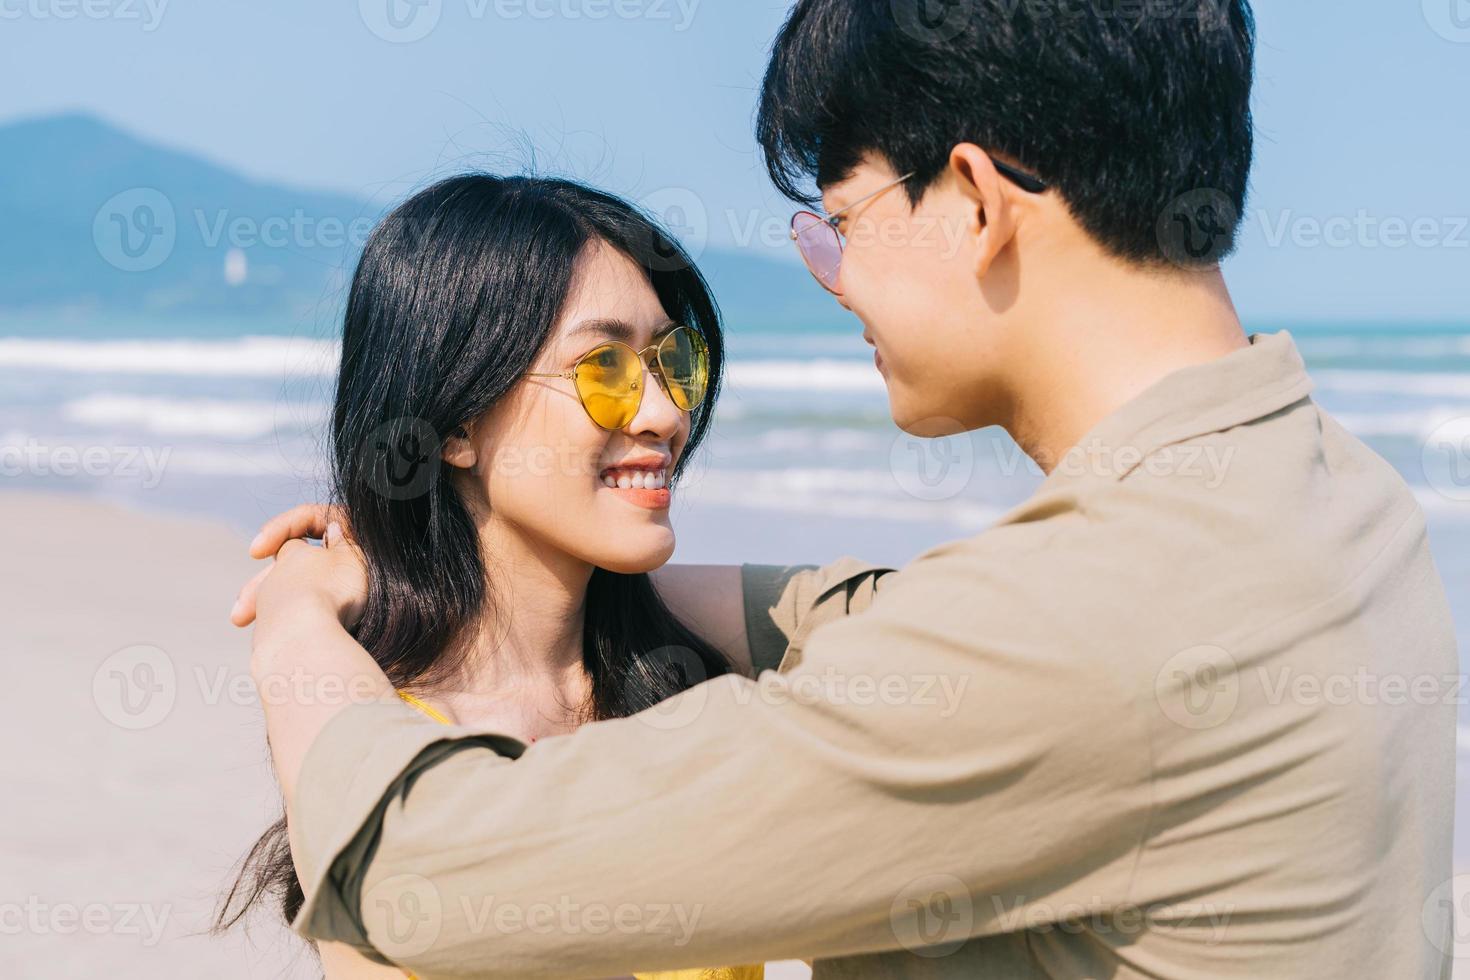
(459, 448)
(993, 215)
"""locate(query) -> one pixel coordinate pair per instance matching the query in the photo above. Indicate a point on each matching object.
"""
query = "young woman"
(526, 365)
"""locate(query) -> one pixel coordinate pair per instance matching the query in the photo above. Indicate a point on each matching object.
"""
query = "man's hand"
(330, 579)
(301, 522)
(305, 664)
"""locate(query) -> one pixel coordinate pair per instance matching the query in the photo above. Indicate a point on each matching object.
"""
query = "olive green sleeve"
(784, 603)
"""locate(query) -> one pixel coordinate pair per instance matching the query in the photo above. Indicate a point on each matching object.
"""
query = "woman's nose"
(657, 414)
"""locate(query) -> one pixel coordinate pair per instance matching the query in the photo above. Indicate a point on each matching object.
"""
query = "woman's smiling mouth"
(642, 486)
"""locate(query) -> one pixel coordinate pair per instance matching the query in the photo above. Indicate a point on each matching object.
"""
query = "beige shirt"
(1185, 713)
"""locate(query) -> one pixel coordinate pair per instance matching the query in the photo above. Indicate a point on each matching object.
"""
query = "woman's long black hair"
(455, 295)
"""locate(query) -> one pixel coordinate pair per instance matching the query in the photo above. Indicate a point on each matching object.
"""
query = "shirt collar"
(1241, 387)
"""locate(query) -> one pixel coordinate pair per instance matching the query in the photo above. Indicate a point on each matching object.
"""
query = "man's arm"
(807, 814)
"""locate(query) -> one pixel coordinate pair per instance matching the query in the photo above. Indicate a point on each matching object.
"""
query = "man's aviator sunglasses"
(820, 243)
(609, 377)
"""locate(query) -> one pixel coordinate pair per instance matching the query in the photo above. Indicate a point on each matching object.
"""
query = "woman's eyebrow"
(607, 326)
(616, 329)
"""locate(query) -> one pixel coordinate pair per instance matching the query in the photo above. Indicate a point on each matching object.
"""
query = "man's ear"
(459, 449)
(993, 214)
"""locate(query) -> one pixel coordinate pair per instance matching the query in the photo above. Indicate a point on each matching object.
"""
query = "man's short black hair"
(1136, 111)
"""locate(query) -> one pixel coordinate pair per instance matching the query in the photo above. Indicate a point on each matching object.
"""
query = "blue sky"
(1360, 202)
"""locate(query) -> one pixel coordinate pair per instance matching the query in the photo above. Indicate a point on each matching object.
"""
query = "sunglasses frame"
(636, 387)
(1027, 182)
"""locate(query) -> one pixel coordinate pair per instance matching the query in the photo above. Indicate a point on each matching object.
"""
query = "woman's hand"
(298, 523)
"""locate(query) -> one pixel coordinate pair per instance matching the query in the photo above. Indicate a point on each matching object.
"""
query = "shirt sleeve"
(784, 603)
(957, 745)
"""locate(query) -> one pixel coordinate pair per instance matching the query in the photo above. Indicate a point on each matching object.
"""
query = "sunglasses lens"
(609, 384)
(683, 357)
(820, 247)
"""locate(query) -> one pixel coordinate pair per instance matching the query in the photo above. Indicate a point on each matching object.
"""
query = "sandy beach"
(137, 746)
(139, 751)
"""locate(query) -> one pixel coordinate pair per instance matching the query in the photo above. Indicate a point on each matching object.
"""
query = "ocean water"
(230, 419)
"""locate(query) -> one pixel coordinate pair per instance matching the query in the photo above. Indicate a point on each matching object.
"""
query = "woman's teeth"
(635, 480)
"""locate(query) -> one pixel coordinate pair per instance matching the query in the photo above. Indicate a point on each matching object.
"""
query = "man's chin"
(926, 425)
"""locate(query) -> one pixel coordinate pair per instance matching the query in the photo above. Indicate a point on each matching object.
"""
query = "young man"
(1130, 778)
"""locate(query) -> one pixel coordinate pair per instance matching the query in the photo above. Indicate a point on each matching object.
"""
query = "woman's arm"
(710, 600)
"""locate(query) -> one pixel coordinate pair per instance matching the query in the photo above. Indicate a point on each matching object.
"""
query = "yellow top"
(756, 972)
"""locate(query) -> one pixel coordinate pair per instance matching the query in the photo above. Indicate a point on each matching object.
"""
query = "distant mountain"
(95, 219)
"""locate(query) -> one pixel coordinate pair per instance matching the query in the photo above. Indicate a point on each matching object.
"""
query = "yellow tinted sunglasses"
(609, 377)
